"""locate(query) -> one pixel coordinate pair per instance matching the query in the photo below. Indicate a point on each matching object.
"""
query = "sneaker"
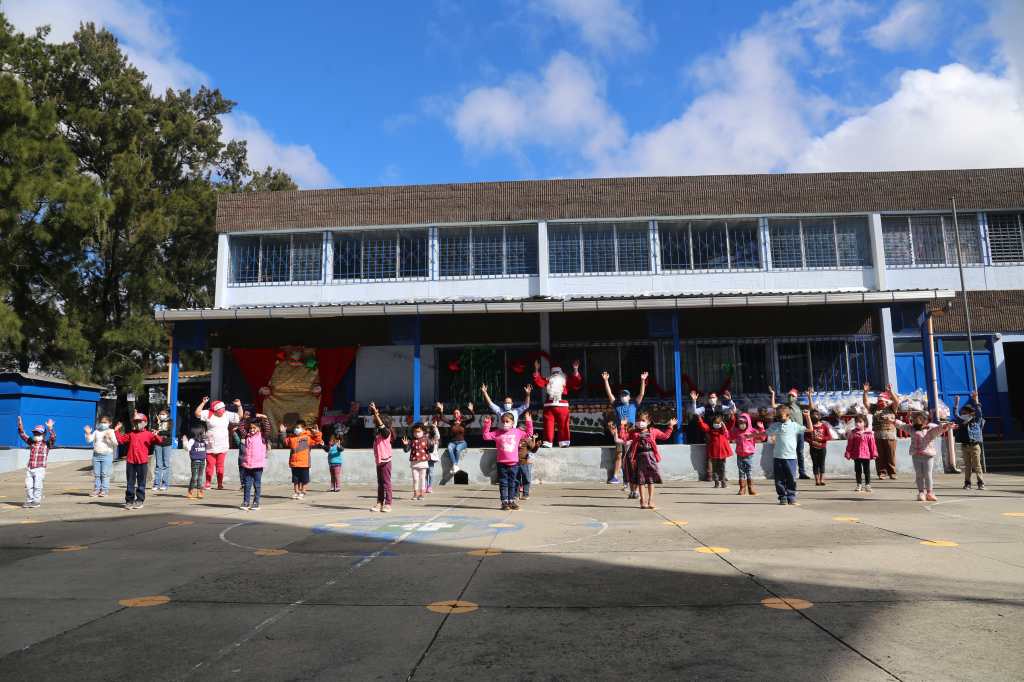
(513, 505)
(892, 477)
(255, 507)
(103, 493)
(930, 497)
(867, 488)
(28, 505)
(386, 508)
(430, 489)
(981, 486)
(164, 488)
(243, 507)
(375, 508)
(859, 488)
(716, 484)
(782, 501)
(613, 480)
(35, 505)
(139, 505)
(793, 503)
(129, 506)
(920, 497)
(967, 485)
(295, 496)
(302, 496)
(94, 493)
(455, 468)
(191, 494)
(524, 496)
(723, 484)
(201, 493)
(504, 506)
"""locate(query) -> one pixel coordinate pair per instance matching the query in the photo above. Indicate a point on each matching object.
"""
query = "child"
(819, 433)
(716, 438)
(506, 443)
(256, 431)
(238, 433)
(861, 448)
(970, 423)
(419, 459)
(434, 435)
(162, 453)
(746, 437)
(39, 445)
(793, 403)
(382, 458)
(104, 447)
(506, 404)
(527, 447)
(456, 431)
(334, 449)
(784, 436)
(140, 443)
(195, 443)
(625, 409)
(218, 421)
(642, 455)
(300, 442)
(614, 429)
(922, 451)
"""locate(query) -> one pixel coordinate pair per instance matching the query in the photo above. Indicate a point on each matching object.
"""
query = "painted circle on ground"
(488, 551)
(267, 551)
(1015, 514)
(678, 522)
(68, 548)
(849, 519)
(452, 606)
(940, 543)
(141, 602)
(786, 603)
(417, 528)
(180, 523)
(712, 550)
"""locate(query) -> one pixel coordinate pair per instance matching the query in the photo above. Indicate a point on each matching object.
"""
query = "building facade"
(705, 282)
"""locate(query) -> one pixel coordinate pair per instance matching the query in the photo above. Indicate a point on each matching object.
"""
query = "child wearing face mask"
(419, 459)
(300, 442)
(335, 448)
(716, 439)
(39, 445)
(861, 448)
(969, 424)
(642, 455)
(625, 410)
(382, 438)
(104, 447)
(819, 433)
(507, 404)
(711, 407)
(506, 444)
(194, 443)
(922, 451)
(140, 442)
(256, 432)
(457, 426)
(784, 435)
(746, 436)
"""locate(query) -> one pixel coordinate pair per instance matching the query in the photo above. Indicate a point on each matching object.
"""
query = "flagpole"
(967, 314)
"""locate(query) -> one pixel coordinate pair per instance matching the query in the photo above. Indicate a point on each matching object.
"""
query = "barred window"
(922, 240)
(599, 248)
(1006, 237)
(896, 241)
(268, 259)
(487, 251)
(970, 238)
(827, 364)
(709, 245)
(381, 254)
(821, 242)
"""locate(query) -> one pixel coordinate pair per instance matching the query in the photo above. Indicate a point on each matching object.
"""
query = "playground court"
(579, 585)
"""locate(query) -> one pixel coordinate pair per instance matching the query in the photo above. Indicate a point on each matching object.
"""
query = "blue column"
(416, 370)
(172, 390)
(677, 366)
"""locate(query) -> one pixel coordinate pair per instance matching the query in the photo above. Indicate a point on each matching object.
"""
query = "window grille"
(633, 246)
(453, 252)
(564, 249)
(270, 259)
(744, 244)
(709, 245)
(521, 250)
(785, 241)
(599, 248)
(970, 238)
(819, 242)
(896, 241)
(1006, 237)
(710, 242)
(675, 246)
(852, 242)
(414, 254)
(924, 240)
(487, 251)
(381, 254)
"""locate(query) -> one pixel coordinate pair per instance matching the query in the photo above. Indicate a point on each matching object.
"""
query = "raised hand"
(483, 388)
(205, 400)
(439, 407)
(605, 376)
(974, 396)
(527, 416)
(528, 388)
(536, 365)
(49, 424)
(237, 402)
(21, 424)
(673, 421)
(486, 421)
(771, 390)
(117, 426)
(693, 396)
(576, 365)
(643, 377)
(405, 441)
(727, 394)
(372, 407)
(867, 387)
(469, 406)
(88, 429)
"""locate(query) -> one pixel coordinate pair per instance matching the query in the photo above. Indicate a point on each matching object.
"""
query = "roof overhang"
(567, 304)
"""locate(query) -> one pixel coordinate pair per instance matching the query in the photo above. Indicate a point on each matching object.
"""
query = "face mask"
(641, 425)
(508, 407)
(162, 417)
(966, 417)
(716, 425)
(102, 426)
(139, 426)
(37, 439)
(712, 401)
(625, 400)
(297, 430)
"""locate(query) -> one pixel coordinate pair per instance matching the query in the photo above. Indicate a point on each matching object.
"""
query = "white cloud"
(606, 25)
(911, 24)
(150, 45)
(564, 105)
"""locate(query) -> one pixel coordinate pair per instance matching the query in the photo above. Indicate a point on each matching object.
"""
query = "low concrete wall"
(555, 465)
(12, 460)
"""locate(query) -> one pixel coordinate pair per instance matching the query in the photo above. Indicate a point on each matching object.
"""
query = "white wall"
(384, 375)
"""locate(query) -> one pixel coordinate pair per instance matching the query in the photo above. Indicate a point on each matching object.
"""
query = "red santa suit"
(556, 407)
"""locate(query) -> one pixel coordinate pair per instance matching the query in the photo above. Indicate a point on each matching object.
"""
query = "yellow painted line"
(270, 552)
(939, 543)
(69, 548)
(1015, 514)
(140, 602)
(28, 521)
(786, 603)
(677, 522)
(484, 552)
(502, 525)
(849, 519)
(180, 523)
(453, 606)
(338, 525)
(712, 550)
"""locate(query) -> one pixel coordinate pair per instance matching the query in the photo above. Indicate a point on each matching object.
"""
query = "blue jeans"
(101, 467)
(454, 449)
(800, 455)
(430, 473)
(252, 480)
(162, 465)
(523, 477)
(785, 479)
(743, 467)
(507, 486)
(135, 478)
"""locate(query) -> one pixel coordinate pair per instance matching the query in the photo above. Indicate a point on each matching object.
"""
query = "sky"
(403, 92)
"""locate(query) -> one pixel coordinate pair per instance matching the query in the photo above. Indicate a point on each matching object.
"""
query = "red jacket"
(632, 438)
(717, 440)
(139, 445)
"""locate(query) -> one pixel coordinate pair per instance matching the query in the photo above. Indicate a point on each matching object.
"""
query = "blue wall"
(70, 407)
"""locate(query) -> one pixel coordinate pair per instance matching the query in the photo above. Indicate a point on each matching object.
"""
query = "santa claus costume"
(556, 407)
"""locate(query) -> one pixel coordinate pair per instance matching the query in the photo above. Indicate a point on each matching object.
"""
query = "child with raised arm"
(642, 455)
(784, 436)
(506, 444)
(625, 409)
(746, 436)
(419, 459)
(256, 432)
(711, 407)
(527, 448)
(861, 448)
(615, 431)
(456, 430)
(434, 436)
(819, 433)
(104, 447)
(507, 404)
(793, 403)
(301, 441)
(922, 451)
(382, 437)
(140, 442)
(39, 445)
(716, 438)
(970, 422)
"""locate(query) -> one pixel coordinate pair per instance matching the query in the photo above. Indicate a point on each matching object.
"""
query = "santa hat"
(793, 391)
(38, 428)
(216, 406)
(139, 417)
(883, 400)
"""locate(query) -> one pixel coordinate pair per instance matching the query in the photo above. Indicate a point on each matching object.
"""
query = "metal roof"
(47, 379)
(661, 301)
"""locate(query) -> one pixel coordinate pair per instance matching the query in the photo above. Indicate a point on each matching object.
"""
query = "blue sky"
(443, 91)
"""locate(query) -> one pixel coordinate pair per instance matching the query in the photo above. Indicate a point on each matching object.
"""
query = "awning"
(561, 304)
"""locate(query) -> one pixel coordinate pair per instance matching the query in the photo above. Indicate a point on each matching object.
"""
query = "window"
(709, 245)
(1006, 237)
(487, 251)
(381, 254)
(819, 242)
(268, 259)
(624, 363)
(598, 248)
(827, 364)
(925, 240)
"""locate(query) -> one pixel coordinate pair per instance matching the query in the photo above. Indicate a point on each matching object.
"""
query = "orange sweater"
(300, 447)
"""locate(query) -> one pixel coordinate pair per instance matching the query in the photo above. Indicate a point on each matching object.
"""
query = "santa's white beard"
(555, 387)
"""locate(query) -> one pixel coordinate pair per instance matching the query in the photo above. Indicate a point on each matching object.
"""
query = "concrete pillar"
(877, 250)
(543, 266)
(416, 370)
(328, 258)
(216, 373)
(220, 293)
(545, 341)
(888, 347)
(434, 247)
(655, 241)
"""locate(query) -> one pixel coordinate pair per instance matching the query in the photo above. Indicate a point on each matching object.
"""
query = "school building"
(408, 295)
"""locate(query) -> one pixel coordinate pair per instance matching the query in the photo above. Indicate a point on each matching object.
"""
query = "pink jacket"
(382, 449)
(255, 452)
(861, 444)
(922, 443)
(506, 441)
(746, 441)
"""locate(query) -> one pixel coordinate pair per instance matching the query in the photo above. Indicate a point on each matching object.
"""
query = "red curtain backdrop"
(333, 364)
(257, 366)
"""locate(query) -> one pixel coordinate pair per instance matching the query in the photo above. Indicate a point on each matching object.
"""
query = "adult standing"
(162, 453)
(556, 407)
(218, 423)
(884, 425)
(709, 410)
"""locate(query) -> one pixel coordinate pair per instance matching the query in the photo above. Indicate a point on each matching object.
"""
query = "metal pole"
(678, 370)
(967, 315)
(416, 371)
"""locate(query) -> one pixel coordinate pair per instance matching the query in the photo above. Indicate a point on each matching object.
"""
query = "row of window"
(593, 248)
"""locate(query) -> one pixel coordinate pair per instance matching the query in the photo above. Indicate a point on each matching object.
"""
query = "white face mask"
(625, 400)
(641, 425)
(37, 438)
(508, 407)
(297, 430)
(966, 417)
(717, 425)
(712, 401)
(162, 417)
(102, 426)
